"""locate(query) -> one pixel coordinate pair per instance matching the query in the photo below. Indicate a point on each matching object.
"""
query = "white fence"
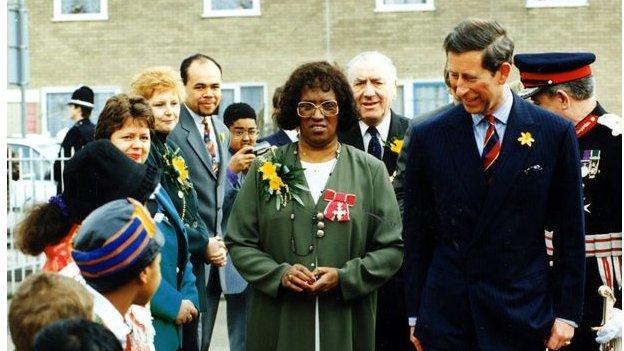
(30, 181)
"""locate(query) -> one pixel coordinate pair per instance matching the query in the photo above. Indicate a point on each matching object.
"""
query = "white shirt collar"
(502, 112)
(292, 134)
(198, 119)
(110, 316)
(383, 128)
(200, 128)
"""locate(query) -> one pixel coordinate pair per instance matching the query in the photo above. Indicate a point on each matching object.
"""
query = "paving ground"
(219, 339)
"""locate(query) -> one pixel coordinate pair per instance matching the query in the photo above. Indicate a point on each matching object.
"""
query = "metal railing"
(30, 180)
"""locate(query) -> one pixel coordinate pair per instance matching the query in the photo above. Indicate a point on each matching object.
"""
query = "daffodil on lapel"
(526, 139)
(395, 145)
(282, 181)
(176, 169)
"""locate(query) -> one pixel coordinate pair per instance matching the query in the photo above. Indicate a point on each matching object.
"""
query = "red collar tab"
(532, 79)
(585, 125)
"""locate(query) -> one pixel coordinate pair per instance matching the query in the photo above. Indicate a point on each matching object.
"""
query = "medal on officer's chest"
(589, 163)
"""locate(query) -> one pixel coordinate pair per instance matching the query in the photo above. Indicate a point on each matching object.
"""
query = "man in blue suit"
(487, 178)
(563, 83)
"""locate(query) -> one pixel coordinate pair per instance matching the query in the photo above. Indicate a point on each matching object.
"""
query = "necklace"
(318, 224)
(304, 153)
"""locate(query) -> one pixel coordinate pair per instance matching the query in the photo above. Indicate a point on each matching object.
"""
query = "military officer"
(563, 83)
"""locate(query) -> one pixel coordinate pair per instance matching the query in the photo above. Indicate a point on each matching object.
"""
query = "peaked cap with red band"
(538, 71)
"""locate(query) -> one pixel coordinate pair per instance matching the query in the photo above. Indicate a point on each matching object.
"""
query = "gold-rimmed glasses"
(328, 108)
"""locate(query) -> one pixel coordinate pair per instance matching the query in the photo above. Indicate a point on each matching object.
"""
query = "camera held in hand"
(261, 148)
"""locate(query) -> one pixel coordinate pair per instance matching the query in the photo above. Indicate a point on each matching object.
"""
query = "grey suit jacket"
(209, 186)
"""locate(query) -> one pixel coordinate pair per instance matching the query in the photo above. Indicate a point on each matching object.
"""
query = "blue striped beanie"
(115, 243)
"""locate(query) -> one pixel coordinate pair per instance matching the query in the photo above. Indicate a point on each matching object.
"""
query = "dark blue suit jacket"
(278, 138)
(475, 255)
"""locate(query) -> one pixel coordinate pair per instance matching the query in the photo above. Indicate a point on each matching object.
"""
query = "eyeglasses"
(307, 109)
(239, 133)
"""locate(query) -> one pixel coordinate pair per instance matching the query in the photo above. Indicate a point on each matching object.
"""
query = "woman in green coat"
(315, 229)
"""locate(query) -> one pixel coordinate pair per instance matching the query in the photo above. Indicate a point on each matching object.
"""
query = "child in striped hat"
(117, 249)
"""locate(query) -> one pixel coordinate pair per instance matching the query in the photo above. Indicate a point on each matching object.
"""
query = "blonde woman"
(162, 88)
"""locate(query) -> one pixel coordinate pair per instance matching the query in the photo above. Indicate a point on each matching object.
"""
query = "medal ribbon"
(338, 206)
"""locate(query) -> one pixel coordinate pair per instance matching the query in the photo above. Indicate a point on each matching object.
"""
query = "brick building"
(103, 43)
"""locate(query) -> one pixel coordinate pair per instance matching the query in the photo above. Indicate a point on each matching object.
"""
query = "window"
(555, 3)
(14, 112)
(417, 97)
(80, 10)
(403, 5)
(398, 105)
(55, 118)
(249, 93)
(231, 8)
(428, 96)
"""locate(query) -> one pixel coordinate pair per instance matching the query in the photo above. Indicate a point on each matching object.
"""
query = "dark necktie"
(491, 148)
(374, 146)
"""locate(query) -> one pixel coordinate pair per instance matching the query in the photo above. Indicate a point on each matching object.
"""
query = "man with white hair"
(380, 132)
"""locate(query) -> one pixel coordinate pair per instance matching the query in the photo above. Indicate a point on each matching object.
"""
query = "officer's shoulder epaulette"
(613, 122)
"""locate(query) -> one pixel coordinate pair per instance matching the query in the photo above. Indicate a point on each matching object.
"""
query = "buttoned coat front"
(178, 281)
(476, 262)
(210, 192)
(367, 250)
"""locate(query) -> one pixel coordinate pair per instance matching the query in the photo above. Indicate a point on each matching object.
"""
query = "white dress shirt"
(383, 128)
(199, 123)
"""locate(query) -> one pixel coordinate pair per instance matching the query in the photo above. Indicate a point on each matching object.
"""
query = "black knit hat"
(82, 96)
(99, 173)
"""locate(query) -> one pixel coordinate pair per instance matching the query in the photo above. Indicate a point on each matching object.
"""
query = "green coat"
(367, 250)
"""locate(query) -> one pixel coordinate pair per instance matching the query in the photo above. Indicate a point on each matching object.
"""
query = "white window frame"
(13, 96)
(60, 17)
(210, 13)
(408, 93)
(64, 90)
(237, 95)
(555, 3)
(380, 6)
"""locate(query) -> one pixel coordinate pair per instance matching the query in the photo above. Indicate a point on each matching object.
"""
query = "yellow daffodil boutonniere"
(395, 145)
(284, 182)
(526, 139)
(177, 171)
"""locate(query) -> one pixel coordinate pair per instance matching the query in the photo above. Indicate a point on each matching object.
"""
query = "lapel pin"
(526, 139)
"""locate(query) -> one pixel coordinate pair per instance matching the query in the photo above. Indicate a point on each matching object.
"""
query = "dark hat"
(82, 96)
(99, 173)
(547, 69)
(115, 243)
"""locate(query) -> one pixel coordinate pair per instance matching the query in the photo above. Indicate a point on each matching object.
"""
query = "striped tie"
(491, 148)
(210, 144)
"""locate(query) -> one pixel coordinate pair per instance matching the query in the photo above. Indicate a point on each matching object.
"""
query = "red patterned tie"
(491, 148)
(210, 144)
